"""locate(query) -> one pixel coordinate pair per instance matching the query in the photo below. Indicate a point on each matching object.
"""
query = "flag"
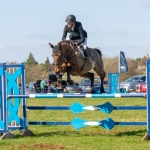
(123, 63)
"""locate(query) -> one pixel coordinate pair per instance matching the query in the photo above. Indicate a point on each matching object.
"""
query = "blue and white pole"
(78, 123)
(78, 108)
(56, 95)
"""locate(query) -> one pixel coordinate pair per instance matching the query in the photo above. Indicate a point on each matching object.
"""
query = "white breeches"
(84, 44)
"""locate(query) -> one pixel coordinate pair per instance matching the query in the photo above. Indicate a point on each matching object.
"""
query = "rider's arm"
(65, 33)
(81, 36)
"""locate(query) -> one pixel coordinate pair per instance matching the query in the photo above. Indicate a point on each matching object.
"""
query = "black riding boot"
(85, 54)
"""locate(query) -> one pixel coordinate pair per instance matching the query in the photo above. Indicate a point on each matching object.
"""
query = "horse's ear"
(51, 45)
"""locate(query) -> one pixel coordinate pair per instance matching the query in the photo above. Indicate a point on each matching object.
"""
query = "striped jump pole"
(67, 95)
(77, 108)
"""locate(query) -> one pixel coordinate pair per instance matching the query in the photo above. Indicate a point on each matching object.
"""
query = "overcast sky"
(29, 25)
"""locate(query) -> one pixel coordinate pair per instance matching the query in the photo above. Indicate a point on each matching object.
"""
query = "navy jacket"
(78, 34)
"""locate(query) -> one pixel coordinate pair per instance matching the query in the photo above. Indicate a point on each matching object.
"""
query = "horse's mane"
(63, 41)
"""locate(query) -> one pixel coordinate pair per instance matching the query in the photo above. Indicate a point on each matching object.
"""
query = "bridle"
(65, 58)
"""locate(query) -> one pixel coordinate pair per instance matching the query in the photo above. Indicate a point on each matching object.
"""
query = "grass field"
(88, 138)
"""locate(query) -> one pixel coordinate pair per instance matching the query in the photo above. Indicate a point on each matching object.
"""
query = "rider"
(76, 33)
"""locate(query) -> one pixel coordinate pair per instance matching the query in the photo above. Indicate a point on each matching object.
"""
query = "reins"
(66, 58)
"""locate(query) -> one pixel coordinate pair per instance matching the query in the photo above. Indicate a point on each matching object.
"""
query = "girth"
(82, 67)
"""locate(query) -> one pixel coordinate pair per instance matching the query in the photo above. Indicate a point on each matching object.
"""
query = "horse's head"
(57, 55)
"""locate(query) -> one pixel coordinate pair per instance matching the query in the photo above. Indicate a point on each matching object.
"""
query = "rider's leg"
(81, 51)
(89, 52)
(68, 39)
(84, 44)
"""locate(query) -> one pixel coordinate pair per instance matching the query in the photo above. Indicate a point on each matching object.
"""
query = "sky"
(27, 26)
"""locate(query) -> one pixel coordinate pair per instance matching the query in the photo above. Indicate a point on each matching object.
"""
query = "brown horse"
(66, 60)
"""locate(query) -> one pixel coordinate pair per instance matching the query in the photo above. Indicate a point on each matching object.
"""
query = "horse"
(67, 58)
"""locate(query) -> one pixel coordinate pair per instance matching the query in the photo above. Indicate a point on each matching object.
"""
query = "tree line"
(36, 71)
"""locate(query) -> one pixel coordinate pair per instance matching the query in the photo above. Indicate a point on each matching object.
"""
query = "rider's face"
(70, 24)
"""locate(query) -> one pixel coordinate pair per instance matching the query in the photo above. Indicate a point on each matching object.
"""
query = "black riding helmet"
(71, 18)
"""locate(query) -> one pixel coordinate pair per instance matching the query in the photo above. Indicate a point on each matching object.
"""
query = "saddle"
(81, 50)
(86, 53)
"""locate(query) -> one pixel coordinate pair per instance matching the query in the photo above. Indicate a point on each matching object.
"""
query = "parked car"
(141, 88)
(130, 84)
(30, 88)
(73, 88)
(85, 84)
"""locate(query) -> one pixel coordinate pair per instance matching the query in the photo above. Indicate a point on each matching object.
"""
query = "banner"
(123, 63)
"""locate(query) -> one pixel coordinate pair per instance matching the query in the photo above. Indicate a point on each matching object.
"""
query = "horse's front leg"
(64, 68)
(68, 75)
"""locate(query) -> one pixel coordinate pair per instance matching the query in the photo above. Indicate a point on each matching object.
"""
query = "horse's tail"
(99, 51)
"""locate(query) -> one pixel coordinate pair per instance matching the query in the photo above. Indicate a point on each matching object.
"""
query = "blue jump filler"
(78, 108)
(78, 123)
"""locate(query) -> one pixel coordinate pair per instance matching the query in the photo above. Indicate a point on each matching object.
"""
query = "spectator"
(64, 84)
(65, 90)
(47, 81)
(43, 85)
(50, 87)
(59, 85)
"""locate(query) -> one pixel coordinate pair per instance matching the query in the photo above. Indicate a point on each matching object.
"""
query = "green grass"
(88, 138)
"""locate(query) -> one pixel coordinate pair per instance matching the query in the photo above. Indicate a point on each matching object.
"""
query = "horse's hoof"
(103, 91)
(71, 82)
(93, 91)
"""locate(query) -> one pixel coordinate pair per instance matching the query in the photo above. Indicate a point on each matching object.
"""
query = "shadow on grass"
(90, 133)
(131, 133)
(63, 133)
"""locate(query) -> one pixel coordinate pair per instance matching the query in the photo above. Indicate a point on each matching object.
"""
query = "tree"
(47, 65)
(31, 60)
(34, 73)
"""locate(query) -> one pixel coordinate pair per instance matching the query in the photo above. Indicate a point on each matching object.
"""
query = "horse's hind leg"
(91, 77)
(102, 76)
